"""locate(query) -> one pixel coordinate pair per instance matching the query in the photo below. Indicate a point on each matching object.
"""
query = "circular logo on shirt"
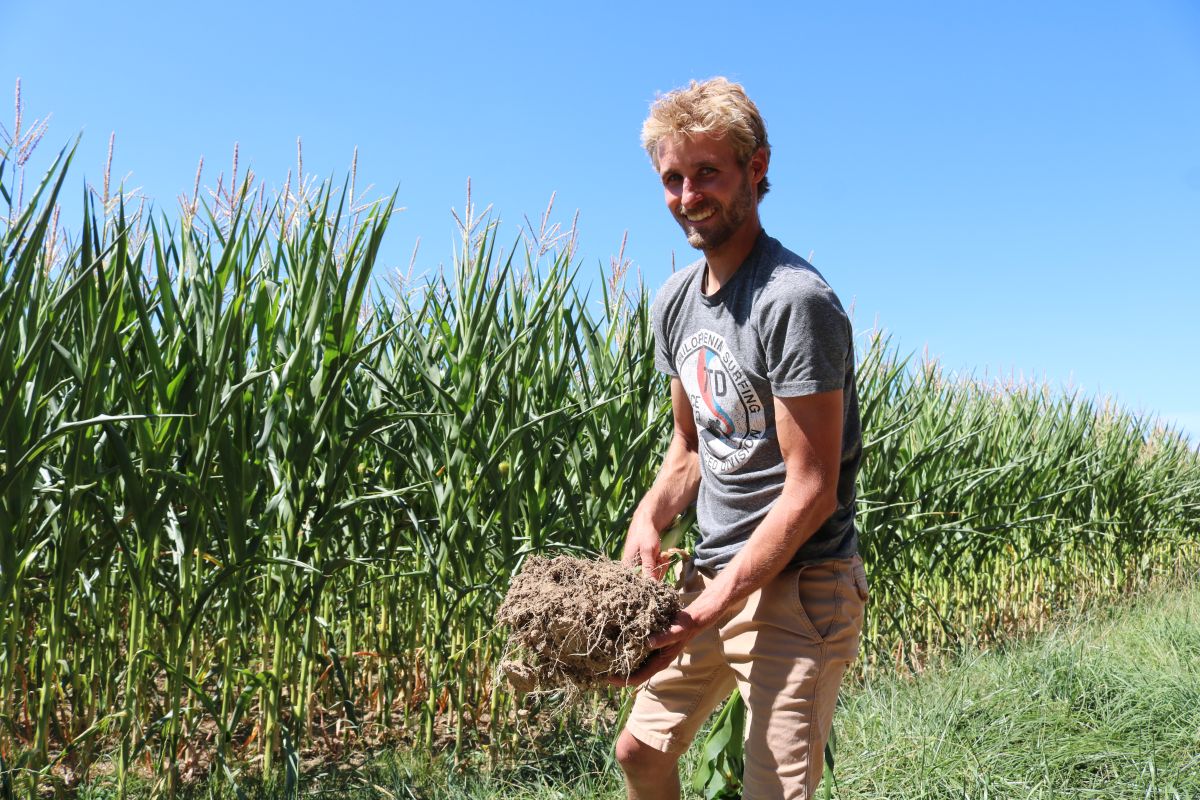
(729, 415)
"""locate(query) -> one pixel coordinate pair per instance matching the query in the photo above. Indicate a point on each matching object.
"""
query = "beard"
(727, 219)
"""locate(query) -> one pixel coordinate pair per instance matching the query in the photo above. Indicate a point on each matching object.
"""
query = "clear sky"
(1013, 187)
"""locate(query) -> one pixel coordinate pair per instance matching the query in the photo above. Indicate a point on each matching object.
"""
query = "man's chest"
(724, 373)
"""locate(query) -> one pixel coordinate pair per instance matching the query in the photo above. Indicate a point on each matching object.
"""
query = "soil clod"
(574, 622)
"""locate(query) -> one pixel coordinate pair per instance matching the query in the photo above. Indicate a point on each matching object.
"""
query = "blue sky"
(1012, 187)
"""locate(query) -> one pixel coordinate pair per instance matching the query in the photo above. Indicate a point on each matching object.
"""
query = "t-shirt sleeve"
(806, 339)
(663, 359)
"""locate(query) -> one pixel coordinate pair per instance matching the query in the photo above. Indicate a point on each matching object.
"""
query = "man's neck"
(724, 261)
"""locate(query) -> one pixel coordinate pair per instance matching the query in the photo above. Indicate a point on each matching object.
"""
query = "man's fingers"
(656, 663)
(633, 558)
(668, 637)
(660, 566)
(667, 645)
(649, 556)
(659, 661)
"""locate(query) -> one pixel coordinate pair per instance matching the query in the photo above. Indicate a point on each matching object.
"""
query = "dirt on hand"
(574, 622)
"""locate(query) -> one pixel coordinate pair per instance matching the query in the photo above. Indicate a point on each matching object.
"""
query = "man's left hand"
(666, 646)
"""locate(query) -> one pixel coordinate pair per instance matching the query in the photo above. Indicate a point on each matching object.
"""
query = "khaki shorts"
(786, 648)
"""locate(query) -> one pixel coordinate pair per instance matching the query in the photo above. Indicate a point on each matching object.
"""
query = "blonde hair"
(717, 107)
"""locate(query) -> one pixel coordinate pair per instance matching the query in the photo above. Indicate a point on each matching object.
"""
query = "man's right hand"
(643, 545)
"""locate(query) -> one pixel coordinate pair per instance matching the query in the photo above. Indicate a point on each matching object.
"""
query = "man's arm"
(674, 489)
(810, 438)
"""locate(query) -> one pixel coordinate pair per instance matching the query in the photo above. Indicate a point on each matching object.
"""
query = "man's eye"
(669, 179)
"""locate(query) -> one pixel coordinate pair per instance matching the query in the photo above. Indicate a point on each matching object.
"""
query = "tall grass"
(251, 502)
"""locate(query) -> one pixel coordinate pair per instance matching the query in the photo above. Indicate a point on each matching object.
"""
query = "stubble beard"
(731, 219)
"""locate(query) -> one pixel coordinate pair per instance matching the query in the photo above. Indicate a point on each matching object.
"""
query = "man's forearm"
(796, 515)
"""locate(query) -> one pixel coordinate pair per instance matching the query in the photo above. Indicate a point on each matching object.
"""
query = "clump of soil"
(573, 622)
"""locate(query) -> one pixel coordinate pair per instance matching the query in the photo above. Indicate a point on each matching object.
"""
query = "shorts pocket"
(817, 591)
(830, 597)
(860, 582)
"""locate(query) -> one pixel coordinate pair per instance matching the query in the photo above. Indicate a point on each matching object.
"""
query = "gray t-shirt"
(776, 328)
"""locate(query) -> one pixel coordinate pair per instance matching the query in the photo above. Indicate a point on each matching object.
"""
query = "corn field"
(987, 508)
(253, 501)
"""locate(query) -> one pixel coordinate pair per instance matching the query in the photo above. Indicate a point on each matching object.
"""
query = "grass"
(1107, 708)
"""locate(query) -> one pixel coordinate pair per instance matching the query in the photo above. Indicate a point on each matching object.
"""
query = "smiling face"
(707, 191)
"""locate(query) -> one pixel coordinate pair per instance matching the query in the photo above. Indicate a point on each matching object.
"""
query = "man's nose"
(691, 195)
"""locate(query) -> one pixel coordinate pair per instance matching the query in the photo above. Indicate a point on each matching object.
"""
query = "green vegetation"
(1104, 708)
(1108, 709)
(987, 508)
(256, 511)
(245, 505)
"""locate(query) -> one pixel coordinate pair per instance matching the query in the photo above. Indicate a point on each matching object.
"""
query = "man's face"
(708, 193)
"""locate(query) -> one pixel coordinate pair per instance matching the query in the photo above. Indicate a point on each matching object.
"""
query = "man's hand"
(667, 646)
(643, 546)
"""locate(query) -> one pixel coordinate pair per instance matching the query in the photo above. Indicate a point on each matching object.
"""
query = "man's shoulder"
(674, 287)
(783, 267)
(787, 278)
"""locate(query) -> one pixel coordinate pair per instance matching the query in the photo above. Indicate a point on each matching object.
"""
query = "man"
(766, 443)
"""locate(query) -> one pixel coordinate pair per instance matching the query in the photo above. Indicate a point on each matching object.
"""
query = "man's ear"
(759, 161)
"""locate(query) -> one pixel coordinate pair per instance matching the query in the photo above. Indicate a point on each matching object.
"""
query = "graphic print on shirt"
(729, 415)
